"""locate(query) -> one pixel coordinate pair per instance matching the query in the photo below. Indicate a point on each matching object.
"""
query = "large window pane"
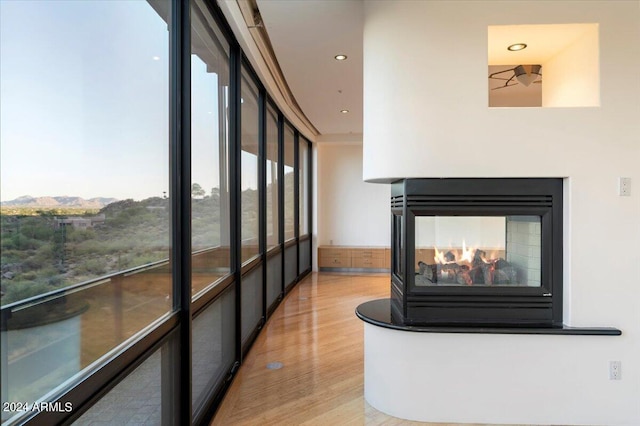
(213, 347)
(273, 191)
(289, 184)
(249, 165)
(303, 189)
(209, 150)
(145, 397)
(84, 184)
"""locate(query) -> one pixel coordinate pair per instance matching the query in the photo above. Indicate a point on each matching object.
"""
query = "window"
(209, 151)
(138, 398)
(273, 191)
(84, 130)
(249, 165)
(93, 107)
(303, 186)
(289, 184)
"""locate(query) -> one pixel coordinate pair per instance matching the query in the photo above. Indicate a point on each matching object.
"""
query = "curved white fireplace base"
(487, 378)
(438, 377)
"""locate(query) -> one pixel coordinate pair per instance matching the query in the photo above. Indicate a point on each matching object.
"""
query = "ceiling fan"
(523, 74)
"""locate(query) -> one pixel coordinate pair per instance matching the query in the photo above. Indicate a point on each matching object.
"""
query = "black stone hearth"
(378, 312)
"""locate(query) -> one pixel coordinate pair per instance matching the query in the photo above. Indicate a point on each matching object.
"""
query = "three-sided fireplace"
(485, 252)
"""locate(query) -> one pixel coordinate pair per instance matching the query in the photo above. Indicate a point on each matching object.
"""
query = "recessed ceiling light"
(344, 111)
(516, 47)
(340, 57)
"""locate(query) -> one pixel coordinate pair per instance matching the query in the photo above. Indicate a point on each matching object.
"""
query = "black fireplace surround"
(513, 280)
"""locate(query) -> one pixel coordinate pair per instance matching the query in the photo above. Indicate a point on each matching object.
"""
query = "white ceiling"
(306, 35)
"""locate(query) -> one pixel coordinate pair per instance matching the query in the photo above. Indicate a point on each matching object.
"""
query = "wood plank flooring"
(315, 334)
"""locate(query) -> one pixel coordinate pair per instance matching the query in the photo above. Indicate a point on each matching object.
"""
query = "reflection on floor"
(318, 339)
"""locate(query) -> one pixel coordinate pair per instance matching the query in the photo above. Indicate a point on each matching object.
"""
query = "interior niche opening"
(543, 65)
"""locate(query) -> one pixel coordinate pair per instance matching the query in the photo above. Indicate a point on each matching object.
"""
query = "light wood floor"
(315, 334)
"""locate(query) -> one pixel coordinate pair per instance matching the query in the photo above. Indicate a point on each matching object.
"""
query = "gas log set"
(450, 271)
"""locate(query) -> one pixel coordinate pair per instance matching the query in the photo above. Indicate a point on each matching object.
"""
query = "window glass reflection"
(84, 184)
(249, 163)
(138, 399)
(209, 151)
(289, 183)
(273, 191)
(303, 187)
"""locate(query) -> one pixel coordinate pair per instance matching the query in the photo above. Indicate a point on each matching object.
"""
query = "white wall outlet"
(624, 186)
(615, 370)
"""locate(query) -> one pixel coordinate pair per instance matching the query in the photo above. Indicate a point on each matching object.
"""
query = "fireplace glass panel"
(398, 252)
(478, 251)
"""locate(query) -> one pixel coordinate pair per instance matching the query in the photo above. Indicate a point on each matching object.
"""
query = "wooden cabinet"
(334, 257)
(368, 258)
(355, 258)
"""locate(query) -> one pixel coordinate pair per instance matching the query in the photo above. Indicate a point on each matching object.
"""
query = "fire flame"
(466, 255)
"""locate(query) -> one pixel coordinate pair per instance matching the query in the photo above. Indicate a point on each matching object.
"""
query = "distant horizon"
(3, 200)
(162, 195)
(97, 121)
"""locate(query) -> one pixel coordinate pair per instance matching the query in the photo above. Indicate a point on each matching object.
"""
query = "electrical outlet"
(624, 187)
(615, 370)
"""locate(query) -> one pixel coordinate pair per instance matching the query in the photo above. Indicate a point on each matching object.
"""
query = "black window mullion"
(234, 185)
(262, 193)
(310, 199)
(281, 190)
(296, 198)
(180, 176)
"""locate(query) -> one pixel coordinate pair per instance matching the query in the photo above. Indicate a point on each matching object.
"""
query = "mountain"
(59, 201)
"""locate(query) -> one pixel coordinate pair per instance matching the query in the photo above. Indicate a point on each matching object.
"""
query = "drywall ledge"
(378, 312)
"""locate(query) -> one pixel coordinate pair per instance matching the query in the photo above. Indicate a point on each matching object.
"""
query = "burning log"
(463, 277)
(453, 273)
(482, 270)
(449, 256)
(501, 277)
(487, 273)
(447, 275)
(428, 271)
(478, 257)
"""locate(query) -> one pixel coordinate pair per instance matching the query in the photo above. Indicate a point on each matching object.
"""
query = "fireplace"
(477, 252)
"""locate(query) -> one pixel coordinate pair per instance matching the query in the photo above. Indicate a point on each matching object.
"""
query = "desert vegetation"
(40, 252)
(43, 250)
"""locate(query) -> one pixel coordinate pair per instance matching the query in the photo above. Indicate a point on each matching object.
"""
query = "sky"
(85, 102)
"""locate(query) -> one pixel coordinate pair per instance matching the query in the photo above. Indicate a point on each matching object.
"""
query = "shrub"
(20, 290)
(80, 235)
(94, 267)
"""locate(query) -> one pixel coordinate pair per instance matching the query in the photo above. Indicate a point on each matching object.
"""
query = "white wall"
(501, 391)
(451, 232)
(426, 115)
(349, 211)
(571, 78)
